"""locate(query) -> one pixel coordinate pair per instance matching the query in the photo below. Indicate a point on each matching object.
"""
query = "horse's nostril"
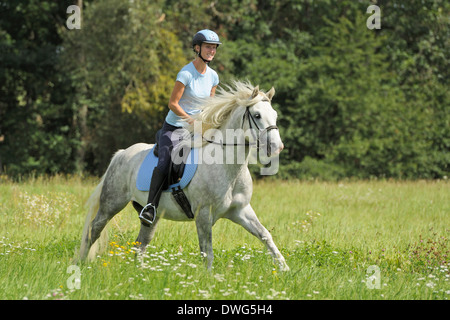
(278, 151)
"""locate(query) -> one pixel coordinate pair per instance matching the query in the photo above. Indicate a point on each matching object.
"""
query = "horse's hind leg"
(111, 195)
(110, 202)
(91, 245)
(107, 210)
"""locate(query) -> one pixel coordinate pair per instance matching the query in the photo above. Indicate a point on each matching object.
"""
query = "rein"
(250, 120)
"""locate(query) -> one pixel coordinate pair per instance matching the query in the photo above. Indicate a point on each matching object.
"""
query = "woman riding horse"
(195, 80)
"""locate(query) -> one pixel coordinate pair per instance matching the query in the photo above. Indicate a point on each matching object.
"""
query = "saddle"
(180, 174)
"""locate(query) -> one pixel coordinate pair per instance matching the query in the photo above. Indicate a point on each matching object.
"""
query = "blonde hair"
(216, 110)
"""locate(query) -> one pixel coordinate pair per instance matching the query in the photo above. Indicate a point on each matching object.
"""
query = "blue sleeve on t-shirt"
(184, 76)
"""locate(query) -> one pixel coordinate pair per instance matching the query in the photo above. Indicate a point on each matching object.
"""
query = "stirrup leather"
(151, 205)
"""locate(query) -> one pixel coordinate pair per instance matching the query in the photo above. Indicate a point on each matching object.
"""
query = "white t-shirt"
(197, 85)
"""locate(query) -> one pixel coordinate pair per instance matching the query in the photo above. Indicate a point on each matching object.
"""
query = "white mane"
(216, 110)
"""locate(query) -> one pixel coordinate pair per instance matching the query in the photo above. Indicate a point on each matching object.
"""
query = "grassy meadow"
(383, 240)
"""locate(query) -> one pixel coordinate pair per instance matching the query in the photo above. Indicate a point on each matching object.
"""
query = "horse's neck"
(228, 159)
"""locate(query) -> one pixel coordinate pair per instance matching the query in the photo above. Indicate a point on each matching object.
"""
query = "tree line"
(352, 101)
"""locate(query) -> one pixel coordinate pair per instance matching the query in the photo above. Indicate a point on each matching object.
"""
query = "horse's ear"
(271, 93)
(255, 92)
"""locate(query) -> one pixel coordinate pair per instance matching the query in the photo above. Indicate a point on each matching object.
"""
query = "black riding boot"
(157, 185)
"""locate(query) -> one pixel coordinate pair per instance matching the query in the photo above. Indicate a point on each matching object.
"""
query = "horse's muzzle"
(273, 151)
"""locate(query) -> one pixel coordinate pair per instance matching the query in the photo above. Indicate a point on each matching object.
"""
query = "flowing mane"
(216, 110)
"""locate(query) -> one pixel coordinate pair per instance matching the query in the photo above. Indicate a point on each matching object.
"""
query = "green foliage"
(339, 94)
(35, 122)
(351, 101)
(124, 78)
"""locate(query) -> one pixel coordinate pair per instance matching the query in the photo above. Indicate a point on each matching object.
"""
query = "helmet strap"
(200, 55)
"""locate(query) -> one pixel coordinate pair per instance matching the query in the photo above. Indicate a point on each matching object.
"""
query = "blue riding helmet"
(205, 36)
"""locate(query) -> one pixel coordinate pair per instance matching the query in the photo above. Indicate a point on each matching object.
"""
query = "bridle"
(261, 131)
(251, 119)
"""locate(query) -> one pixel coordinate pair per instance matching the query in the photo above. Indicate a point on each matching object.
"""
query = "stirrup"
(143, 219)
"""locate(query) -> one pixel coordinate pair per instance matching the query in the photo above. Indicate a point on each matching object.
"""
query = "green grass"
(329, 233)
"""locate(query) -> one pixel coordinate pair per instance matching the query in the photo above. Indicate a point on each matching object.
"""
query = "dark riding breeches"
(167, 141)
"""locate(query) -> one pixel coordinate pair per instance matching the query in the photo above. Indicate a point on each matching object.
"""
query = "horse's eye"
(257, 116)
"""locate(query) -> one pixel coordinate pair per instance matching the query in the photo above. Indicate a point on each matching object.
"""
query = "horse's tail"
(93, 205)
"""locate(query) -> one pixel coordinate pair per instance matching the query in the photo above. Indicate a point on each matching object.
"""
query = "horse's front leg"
(204, 232)
(146, 234)
(247, 218)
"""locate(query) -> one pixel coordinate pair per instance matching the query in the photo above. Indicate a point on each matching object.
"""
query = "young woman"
(195, 80)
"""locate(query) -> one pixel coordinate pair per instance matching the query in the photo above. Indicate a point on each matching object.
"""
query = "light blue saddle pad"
(146, 170)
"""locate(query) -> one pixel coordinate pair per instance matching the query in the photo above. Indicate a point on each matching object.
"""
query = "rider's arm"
(174, 105)
(213, 91)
